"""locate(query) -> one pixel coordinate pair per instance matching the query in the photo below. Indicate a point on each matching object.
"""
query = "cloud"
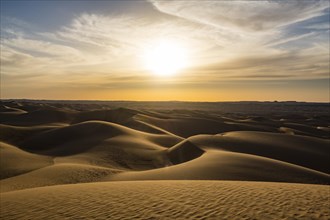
(247, 15)
(286, 65)
(91, 40)
(259, 39)
(251, 24)
(124, 34)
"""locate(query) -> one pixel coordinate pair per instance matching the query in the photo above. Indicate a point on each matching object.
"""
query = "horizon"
(127, 100)
(152, 50)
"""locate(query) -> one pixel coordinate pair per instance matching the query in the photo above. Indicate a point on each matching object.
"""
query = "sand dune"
(17, 134)
(222, 165)
(169, 200)
(10, 110)
(189, 126)
(119, 116)
(104, 151)
(161, 144)
(56, 175)
(15, 161)
(183, 152)
(38, 117)
(300, 150)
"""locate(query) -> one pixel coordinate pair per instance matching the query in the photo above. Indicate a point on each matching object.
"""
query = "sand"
(62, 160)
(169, 200)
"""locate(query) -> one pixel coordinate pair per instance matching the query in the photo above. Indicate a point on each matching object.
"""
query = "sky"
(234, 50)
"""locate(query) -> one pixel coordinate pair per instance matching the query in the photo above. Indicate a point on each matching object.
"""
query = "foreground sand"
(74, 161)
(169, 200)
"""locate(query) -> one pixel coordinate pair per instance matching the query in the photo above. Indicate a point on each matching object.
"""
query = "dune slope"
(15, 161)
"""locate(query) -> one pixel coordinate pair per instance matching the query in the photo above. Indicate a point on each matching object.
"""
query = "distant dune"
(239, 159)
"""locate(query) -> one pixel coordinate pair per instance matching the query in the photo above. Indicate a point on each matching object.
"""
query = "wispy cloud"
(247, 15)
(257, 35)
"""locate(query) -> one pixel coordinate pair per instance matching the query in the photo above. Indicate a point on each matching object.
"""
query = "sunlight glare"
(165, 58)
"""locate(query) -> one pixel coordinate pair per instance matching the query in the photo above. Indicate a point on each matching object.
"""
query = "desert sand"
(169, 200)
(133, 160)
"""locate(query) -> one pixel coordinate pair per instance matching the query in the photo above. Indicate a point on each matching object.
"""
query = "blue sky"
(49, 15)
(238, 50)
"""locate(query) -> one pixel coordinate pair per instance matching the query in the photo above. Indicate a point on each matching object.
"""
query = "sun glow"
(165, 58)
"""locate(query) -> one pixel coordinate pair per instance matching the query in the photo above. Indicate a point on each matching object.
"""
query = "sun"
(165, 58)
